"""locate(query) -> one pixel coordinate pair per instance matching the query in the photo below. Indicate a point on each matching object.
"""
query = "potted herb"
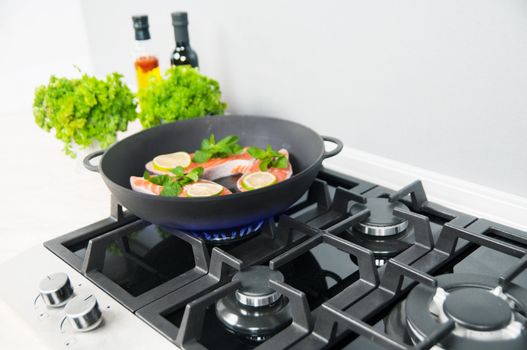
(183, 93)
(84, 112)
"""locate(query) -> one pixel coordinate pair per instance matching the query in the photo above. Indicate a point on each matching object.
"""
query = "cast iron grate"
(340, 321)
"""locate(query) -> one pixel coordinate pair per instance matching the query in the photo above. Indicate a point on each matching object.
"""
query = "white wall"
(437, 84)
(37, 39)
(440, 85)
(45, 193)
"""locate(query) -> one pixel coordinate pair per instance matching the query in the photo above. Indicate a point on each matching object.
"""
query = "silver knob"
(56, 289)
(83, 313)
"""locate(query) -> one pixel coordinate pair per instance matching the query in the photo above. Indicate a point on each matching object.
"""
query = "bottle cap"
(179, 19)
(141, 27)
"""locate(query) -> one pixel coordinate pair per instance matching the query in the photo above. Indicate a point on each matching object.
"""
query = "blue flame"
(224, 235)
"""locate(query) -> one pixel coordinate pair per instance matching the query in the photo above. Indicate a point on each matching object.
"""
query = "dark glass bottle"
(183, 54)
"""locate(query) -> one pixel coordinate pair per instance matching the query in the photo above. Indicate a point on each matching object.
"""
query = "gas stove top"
(350, 265)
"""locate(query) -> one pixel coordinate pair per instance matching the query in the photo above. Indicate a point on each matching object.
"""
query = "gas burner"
(382, 222)
(486, 317)
(255, 310)
(228, 236)
(465, 306)
(385, 234)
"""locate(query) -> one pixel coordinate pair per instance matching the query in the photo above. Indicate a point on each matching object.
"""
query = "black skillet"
(129, 156)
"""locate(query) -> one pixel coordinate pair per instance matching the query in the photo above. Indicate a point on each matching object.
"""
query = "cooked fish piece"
(215, 168)
(280, 174)
(142, 185)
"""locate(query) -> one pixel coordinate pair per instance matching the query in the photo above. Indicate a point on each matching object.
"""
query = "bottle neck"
(142, 34)
(144, 48)
(181, 35)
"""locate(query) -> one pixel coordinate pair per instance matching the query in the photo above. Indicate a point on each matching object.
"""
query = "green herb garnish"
(84, 110)
(269, 158)
(173, 185)
(224, 148)
(182, 93)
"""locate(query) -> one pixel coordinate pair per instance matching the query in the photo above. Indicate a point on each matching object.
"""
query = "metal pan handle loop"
(90, 166)
(336, 150)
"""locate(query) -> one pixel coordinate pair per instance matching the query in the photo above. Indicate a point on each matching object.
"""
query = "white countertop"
(44, 194)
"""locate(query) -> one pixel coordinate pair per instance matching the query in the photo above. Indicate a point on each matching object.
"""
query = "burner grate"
(387, 342)
(167, 314)
(397, 278)
(192, 329)
(98, 264)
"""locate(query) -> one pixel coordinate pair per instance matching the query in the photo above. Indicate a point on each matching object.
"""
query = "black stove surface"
(350, 253)
(144, 258)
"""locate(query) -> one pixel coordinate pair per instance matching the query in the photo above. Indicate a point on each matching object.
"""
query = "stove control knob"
(56, 289)
(83, 313)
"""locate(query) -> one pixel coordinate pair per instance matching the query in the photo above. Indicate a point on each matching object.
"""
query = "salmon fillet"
(213, 169)
(142, 185)
(280, 174)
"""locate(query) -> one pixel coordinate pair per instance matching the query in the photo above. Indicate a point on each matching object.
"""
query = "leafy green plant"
(84, 110)
(222, 149)
(269, 158)
(183, 93)
(173, 184)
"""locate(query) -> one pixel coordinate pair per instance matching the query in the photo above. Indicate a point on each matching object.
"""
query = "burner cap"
(255, 311)
(477, 309)
(381, 221)
(255, 290)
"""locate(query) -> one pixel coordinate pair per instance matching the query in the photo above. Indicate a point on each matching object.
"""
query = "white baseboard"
(461, 195)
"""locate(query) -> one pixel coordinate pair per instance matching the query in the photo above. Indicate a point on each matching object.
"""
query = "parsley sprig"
(269, 158)
(84, 110)
(181, 93)
(173, 185)
(222, 149)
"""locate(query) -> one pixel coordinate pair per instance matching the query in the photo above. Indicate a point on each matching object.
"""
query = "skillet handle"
(86, 160)
(334, 151)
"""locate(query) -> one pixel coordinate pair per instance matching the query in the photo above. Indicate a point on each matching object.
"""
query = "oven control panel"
(64, 310)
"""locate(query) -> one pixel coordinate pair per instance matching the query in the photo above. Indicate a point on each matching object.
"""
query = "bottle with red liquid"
(146, 62)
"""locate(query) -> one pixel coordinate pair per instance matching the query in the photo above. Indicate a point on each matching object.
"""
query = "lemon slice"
(204, 189)
(258, 180)
(165, 162)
